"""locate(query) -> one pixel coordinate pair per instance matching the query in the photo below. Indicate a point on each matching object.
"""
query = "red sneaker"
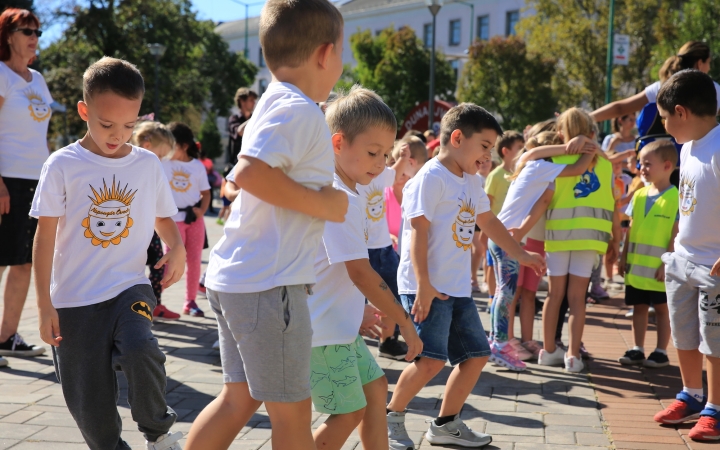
(705, 430)
(162, 313)
(683, 409)
(192, 309)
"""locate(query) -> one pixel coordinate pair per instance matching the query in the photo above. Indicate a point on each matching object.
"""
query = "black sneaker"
(392, 348)
(632, 357)
(16, 346)
(656, 360)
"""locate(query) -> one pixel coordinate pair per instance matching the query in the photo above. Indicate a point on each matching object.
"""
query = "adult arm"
(536, 212)
(43, 250)
(496, 231)
(620, 107)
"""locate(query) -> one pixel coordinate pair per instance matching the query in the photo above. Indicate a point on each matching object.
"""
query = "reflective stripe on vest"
(650, 236)
(580, 214)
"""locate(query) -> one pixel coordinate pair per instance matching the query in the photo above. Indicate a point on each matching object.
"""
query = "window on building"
(261, 58)
(455, 64)
(483, 28)
(512, 18)
(455, 32)
(427, 34)
(262, 86)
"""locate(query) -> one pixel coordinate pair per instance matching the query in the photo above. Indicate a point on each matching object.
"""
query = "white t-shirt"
(24, 119)
(187, 180)
(619, 147)
(651, 92)
(107, 209)
(373, 196)
(452, 205)
(698, 240)
(336, 305)
(264, 246)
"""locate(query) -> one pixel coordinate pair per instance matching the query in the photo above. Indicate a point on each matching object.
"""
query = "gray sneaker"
(397, 434)
(456, 433)
(3, 362)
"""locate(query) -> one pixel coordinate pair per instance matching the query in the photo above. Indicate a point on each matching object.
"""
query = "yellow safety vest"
(581, 211)
(649, 238)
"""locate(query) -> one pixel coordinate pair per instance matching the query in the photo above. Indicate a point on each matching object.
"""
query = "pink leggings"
(193, 237)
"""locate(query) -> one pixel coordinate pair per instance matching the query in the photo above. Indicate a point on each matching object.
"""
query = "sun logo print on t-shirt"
(180, 181)
(39, 110)
(108, 219)
(687, 196)
(366, 230)
(464, 225)
(375, 208)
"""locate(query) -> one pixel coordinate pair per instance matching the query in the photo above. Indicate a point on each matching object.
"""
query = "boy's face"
(676, 123)
(110, 119)
(471, 152)
(509, 154)
(653, 169)
(363, 159)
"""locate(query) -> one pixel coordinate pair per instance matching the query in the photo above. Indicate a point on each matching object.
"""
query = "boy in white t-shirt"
(441, 206)
(97, 203)
(261, 271)
(687, 105)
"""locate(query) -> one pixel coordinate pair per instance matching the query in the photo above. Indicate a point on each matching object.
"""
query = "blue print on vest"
(589, 183)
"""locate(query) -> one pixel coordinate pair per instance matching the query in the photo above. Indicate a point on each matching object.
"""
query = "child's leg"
(385, 261)
(490, 276)
(577, 290)
(551, 308)
(713, 375)
(640, 324)
(373, 428)
(460, 383)
(155, 253)
(527, 314)
(295, 419)
(506, 271)
(662, 323)
(194, 240)
(334, 432)
(412, 379)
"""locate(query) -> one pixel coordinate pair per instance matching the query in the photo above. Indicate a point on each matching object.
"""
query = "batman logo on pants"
(143, 309)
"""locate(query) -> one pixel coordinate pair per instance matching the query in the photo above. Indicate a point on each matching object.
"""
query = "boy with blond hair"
(261, 272)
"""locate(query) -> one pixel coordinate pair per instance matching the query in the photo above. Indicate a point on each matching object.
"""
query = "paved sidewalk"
(540, 409)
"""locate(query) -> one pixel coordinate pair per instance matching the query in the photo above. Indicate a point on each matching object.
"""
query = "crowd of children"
(336, 231)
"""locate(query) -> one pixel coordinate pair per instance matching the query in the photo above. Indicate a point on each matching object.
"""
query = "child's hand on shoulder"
(371, 325)
(534, 261)
(414, 344)
(715, 271)
(49, 325)
(336, 203)
(426, 293)
(174, 262)
(575, 145)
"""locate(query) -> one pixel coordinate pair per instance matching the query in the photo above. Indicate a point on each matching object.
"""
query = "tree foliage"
(197, 71)
(22, 4)
(210, 137)
(501, 76)
(396, 65)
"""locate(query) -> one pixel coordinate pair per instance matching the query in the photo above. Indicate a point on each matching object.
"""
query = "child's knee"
(429, 367)
(475, 363)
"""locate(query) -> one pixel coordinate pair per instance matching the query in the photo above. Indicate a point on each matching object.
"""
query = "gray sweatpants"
(98, 340)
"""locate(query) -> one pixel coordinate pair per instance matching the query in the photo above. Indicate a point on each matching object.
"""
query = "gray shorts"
(265, 341)
(693, 297)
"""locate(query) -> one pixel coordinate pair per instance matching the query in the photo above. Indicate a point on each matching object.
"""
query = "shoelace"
(678, 406)
(397, 429)
(17, 340)
(706, 422)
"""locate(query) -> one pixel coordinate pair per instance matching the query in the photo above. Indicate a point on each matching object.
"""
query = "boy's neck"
(303, 79)
(507, 165)
(703, 127)
(661, 185)
(446, 159)
(89, 144)
(345, 178)
(181, 156)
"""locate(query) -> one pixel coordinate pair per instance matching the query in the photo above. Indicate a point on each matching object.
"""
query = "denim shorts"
(385, 262)
(452, 330)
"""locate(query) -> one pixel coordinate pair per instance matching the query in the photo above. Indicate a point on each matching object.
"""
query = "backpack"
(651, 128)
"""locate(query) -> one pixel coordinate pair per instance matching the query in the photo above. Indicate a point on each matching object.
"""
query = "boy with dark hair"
(245, 100)
(654, 213)
(261, 271)
(687, 105)
(97, 203)
(441, 206)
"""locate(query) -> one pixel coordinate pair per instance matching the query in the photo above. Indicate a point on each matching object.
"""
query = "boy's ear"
(456, 137)
(323, 54)
(681, 112)
(83, 110)
(337, 142)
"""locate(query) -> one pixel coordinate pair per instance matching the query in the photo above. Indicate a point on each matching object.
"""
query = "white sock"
(713, 406)
(697, 394)
(659, 350)
(640, 349)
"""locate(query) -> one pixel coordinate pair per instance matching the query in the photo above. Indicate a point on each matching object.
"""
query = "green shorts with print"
(338, 374)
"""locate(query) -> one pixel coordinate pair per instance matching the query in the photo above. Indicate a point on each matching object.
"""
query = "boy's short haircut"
(507, 140)
(291, 30)
(691, 89)
(417, 134)
(665, 150)
(114, 75)
(418, 151)
(243, 94)
(469, 118)
(358, 111)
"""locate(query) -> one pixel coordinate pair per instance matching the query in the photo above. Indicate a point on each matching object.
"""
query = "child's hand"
(622, 266)
(199, 213)
(404, 151)
(715, 271)
(660, 273)
(575, 145)
(49, 325)
(423, 301)
(336, 203)
(175, 261)
(371, 325)
(414, 344)
(590, 147)
(534, 261)
(394, 239)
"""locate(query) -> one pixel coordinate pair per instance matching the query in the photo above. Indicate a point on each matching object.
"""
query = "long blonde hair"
(539, 140)
(153, 132)
(575, 122)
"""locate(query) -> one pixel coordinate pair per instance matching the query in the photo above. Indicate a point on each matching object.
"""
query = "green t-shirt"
(497, 187)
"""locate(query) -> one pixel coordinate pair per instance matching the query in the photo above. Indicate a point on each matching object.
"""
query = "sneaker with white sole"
(397, 434)
(533, 347)
(506, 357)
(216, 345)
(522, 353)
(456, 433)
(168, 441)
(16, 346)
(3, 362)
(573, 364)
(556, 358)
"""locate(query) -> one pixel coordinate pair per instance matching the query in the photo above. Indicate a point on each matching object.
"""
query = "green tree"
(210, 137)
(397, 66)
(502, 77)
(197, 71)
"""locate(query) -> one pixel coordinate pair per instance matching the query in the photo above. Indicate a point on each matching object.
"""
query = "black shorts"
(477, 228)
(635, 296)
(17, 228)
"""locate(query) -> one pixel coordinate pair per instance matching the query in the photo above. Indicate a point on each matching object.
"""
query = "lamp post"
(611, 37)
(472, 19)
(434, 7)
(157, 50)
(247, 22)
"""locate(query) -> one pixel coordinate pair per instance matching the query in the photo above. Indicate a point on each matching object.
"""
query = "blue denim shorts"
(452, 330)
(385, 261)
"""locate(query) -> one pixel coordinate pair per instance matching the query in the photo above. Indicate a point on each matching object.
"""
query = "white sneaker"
(3, 362)
(573, 364)
(397, 434)
(166, 442)
(216, 345)
(630, 313)
(545, 358)
(456, 433)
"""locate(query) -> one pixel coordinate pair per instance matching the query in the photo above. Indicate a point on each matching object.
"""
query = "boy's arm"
(273, 186)
(419, 257)
(175, 258)
(43, 250)
(403, 162)
(622, 156)
(496, 231)
(537, 211)
(578, 167)
(378, 293)
(614, 245)
(622, 264)
(231, 190)
(660, 274)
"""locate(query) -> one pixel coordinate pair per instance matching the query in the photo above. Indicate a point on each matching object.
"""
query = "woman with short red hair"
(24, 118)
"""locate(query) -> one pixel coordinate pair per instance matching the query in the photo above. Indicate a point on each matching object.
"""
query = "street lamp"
(434, 7)
(472, 19)
(157, 50)
(247, 22)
